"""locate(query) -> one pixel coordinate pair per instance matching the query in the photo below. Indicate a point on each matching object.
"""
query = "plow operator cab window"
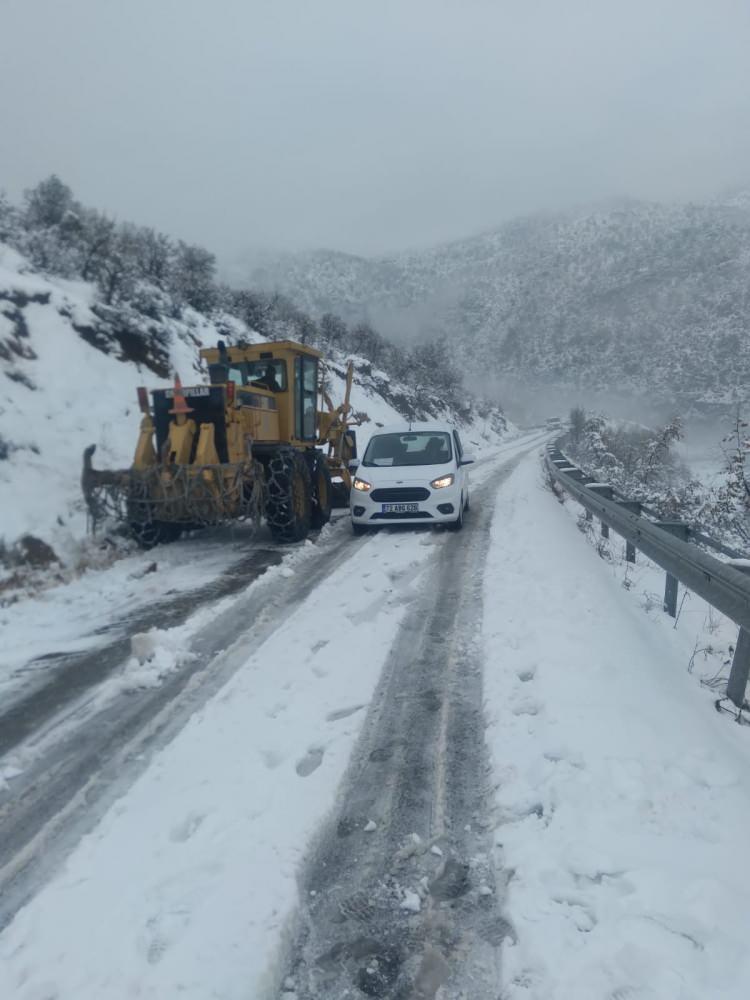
(268, 373)
(306, 398)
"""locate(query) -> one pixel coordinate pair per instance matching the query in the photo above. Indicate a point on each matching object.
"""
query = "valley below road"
(417, 764)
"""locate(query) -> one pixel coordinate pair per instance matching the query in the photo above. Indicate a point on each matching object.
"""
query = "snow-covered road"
(304, 801)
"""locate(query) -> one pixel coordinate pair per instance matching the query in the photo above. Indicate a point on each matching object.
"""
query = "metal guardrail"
(697, 533)
(723, 586)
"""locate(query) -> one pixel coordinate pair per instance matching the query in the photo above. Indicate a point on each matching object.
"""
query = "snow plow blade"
(184, 496)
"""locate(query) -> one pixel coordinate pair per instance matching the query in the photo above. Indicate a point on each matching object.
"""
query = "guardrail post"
(634, 507)
(607, 493)
(681, 530)
(740, 669)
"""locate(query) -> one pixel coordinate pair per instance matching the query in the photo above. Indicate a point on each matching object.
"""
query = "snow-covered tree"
(193, 276)
(95, 241)
(154, 256)
(333, 329)
(47, 204)
(577, 423)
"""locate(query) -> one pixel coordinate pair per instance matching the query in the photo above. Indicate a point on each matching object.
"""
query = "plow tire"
(322, 492)
(289, 496)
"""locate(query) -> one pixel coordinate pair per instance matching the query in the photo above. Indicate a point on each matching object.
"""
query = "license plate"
(196, 390)
(400, 508)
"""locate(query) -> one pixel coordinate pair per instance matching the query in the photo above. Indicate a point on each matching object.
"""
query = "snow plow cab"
(261, 438)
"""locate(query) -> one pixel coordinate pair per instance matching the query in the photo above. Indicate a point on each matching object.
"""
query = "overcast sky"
(370, 125)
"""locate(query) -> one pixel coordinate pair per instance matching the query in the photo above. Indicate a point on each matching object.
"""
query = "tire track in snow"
(70, 675)
(398, 895)
(94, 758)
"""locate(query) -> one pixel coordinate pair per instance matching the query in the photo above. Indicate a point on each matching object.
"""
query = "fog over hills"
(642, 299)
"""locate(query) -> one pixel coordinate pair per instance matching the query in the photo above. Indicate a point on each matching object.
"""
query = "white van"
(411, 474)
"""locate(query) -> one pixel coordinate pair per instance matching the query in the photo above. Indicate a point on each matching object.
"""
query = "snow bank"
(623, 798)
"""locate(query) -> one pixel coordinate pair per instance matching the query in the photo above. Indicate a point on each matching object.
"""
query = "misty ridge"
(632, 316)
(628, 303)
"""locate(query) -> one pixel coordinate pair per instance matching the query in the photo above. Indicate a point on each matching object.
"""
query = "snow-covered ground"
(623, 796)
(186, 886)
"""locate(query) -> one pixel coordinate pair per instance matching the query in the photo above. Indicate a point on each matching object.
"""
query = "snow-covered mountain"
(69, 369)
(634, 297)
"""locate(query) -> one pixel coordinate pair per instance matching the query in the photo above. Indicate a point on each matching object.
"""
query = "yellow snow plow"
(262, 438)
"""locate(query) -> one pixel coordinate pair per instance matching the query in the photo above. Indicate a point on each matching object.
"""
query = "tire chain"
(279, 508)
(203, 495)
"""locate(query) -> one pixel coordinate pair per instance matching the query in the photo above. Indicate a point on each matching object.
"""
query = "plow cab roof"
(258, 352)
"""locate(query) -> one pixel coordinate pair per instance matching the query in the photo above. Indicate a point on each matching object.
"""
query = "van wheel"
(459, 522)
(359, 529)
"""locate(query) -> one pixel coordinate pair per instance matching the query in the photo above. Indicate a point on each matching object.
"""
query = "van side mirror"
(353, 464)
(467, 460)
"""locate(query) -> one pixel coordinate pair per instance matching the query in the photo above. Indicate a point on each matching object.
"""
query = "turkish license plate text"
(196, 390)
(400, 508)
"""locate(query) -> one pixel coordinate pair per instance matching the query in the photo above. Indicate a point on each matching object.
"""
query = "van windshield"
(409, 448)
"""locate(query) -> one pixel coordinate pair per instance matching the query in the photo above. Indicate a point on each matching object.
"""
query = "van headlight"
(361, 484)
(439, 484)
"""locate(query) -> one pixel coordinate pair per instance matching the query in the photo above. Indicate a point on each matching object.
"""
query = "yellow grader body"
(262, 437)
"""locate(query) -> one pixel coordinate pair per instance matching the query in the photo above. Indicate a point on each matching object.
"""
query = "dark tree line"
(62, 237)
(137, 266)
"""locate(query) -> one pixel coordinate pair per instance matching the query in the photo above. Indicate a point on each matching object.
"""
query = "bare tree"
(736, 452)
(154, 256)
(117, 270)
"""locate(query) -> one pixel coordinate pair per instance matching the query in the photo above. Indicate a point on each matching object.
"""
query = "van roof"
(417, 426)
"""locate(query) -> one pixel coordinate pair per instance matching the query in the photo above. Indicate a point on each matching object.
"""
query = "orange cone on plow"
(179, 403)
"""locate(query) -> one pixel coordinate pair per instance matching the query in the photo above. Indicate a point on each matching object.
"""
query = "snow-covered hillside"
(633, 297)
(67, 385)
(71, 366)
